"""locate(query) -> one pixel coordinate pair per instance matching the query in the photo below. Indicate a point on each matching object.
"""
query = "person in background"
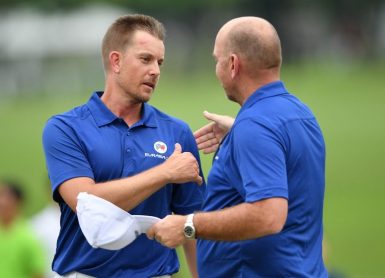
(46, 226)
(21, 254)
(119, 148)
(263, 209)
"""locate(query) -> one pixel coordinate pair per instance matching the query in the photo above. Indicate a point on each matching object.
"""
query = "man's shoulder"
(164, 118)
(276, 111)
(69, 116)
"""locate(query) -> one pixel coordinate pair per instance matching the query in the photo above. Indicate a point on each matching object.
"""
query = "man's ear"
(234, 65)
(114, 59)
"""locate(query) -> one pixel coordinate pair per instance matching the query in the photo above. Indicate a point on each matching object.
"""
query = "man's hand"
(209, 136)
(169, 231)
(182, 167)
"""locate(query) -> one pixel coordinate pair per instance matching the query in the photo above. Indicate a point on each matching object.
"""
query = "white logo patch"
(160, 147)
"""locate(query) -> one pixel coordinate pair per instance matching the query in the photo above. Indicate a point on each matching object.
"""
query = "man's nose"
(155, 69)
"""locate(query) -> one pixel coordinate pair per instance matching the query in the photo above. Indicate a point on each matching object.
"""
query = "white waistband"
(81, 275)
(73, 275)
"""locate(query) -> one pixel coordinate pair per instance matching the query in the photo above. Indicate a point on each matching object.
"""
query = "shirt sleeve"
(188, 197)
(259, 156)
(65, 157)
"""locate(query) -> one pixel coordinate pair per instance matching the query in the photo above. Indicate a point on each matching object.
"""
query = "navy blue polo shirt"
(90, 141)
(274, 149)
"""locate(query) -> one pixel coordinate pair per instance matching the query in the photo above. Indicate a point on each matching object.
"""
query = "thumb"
(178, 148)
(151, 233)
(199, 180)
(211, 116)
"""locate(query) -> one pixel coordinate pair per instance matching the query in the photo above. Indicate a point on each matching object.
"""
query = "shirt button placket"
(128, 149)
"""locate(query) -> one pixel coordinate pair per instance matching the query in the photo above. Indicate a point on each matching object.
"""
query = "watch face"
(189, 231)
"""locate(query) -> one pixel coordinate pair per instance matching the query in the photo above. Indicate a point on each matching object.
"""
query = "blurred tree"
(147, 5)
(356, 23)
(308, 29)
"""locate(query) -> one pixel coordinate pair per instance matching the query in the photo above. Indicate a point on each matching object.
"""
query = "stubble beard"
(142, 97)
(230, 94)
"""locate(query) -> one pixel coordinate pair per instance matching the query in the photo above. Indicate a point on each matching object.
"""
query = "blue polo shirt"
(274, 149)
(90, 141)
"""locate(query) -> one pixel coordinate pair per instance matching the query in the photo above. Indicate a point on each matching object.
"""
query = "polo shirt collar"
(104, 116)
(99, 110)
(269, 90)
(148, 117)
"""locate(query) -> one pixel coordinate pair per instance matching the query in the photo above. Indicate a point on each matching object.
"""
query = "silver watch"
(189, 229)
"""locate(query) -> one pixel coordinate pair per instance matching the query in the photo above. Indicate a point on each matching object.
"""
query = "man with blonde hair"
(121, 149)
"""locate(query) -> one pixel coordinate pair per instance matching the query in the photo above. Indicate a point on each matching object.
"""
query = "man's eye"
(145, 59)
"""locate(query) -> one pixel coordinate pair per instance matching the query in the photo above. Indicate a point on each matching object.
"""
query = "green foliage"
(347, 100)
(186, 7)
(148, 5)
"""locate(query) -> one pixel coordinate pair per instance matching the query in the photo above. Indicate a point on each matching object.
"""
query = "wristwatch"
(189, 229)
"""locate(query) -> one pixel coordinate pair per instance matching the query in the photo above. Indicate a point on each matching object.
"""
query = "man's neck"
(126, 109)
(250, 85)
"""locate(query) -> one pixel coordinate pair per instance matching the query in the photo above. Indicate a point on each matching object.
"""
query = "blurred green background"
(348, 103)
(334, 62)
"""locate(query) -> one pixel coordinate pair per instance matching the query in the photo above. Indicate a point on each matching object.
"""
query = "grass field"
(347, 100)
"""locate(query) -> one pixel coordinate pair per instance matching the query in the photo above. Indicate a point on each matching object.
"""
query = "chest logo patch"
(160, 147)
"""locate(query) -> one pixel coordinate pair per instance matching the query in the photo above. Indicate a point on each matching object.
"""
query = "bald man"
(262, 215)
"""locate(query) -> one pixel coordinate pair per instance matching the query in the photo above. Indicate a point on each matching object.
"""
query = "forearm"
(190, 254)
(242, 222)
(126, 193)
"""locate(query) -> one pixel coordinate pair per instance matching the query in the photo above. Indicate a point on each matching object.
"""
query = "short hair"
(14, 188)
(260, 50)
(119, 34)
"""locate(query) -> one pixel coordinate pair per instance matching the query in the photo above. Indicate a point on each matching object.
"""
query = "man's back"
(274, 149)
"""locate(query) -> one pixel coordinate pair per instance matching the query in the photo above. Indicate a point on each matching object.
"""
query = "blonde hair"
(119, 34)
